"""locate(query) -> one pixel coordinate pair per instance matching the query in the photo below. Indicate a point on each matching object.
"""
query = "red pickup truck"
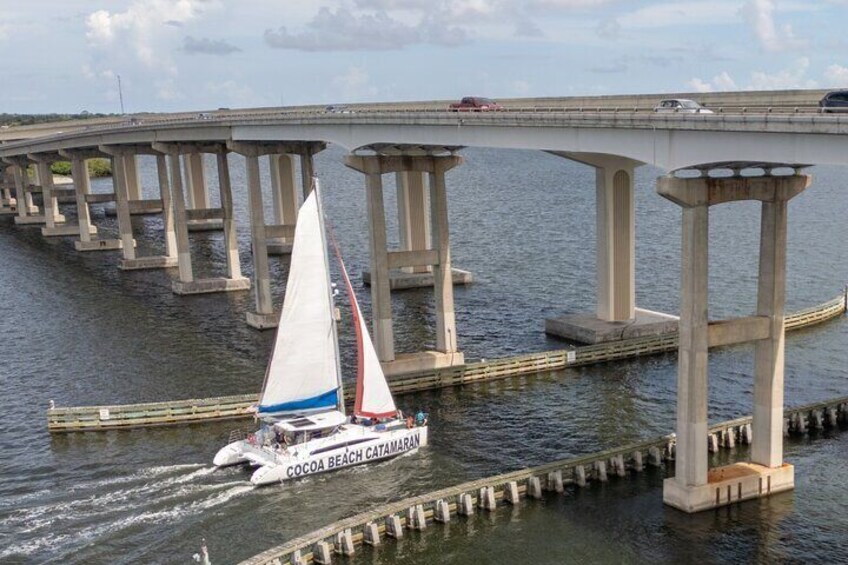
(475, 104)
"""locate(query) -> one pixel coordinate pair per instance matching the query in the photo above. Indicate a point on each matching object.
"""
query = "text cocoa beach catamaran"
(304, 428)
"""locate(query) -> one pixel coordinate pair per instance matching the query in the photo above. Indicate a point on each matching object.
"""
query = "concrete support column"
(694, 487)
(442, 278)
(691, 451)
(767, 425)
(437, 256)
(7, 181)
(307, 170)
(27, 211)
(381, 297)
(133, 179)
(119, 182)
(230, 237)
(264, 316)
(167, 207)
(284, 194)
(616, 316)
(616, 244)
(413, 203)
(195, 180)
(82, 182)
(186, 273)
(51, 203)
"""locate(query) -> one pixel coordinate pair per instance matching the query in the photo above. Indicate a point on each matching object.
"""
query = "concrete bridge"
(771, 138)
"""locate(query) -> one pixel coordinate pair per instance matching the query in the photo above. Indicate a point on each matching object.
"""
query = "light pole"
(120, 94)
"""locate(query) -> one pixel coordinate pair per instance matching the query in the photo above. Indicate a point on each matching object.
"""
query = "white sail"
(303, 374)
(373, 397)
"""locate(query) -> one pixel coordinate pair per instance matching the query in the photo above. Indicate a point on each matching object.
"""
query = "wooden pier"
(101, 418)
(391, 521)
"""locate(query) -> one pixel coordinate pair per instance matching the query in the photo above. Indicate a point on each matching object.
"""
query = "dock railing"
(169, 413)
(381, 524)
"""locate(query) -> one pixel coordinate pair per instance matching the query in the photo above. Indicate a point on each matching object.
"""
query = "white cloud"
(680, 14)
(836, 75)
(343, 30)
(144, 26)
(793, 77)
(354, 85)
(721, 81)
(760, 14)
(698, 85)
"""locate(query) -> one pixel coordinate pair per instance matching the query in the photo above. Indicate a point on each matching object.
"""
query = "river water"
(79, 331)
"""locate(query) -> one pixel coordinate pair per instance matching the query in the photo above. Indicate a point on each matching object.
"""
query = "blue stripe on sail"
(326, 400)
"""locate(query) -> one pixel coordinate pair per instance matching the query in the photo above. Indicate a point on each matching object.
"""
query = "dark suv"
(836, 101)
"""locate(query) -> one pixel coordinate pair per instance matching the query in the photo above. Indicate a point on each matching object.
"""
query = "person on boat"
(410, 422)
(421, 418)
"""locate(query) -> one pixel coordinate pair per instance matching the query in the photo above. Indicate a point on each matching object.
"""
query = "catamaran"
(304, 428)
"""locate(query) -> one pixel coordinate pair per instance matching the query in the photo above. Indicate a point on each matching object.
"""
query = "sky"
(175, 55)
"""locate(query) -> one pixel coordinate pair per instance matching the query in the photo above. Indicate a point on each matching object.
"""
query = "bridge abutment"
(694, 487)
(437, 257)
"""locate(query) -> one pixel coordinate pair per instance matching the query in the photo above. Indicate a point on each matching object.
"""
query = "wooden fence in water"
(390, 521)
(176, 412)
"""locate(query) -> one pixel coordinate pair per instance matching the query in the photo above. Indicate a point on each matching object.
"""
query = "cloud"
(355, 84)
(207, 46)
(720, 82)
(760, 15)
(143, 27)
(836, 75)
(341, 30)
(793, 77)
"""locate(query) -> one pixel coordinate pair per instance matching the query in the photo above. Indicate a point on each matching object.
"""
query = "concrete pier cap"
(695, 487)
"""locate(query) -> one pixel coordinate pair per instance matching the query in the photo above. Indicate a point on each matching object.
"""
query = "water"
(79, 331)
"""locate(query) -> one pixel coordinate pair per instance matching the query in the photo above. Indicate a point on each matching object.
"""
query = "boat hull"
(304, 461)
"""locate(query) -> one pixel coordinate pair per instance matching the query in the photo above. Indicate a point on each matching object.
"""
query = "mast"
(316, 186)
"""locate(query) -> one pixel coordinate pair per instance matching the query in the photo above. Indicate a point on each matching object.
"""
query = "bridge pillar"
(52, 215)
(133, 179)
(82, 191)
(284, 196)
(186, 282)
(414, 227)
(7, 182)
(616, 316)
(437, 256)
(27, 212)
(197, 192)
(266, 316)
(694, 487)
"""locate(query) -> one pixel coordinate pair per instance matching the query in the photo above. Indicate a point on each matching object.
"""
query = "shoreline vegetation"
(96, 168)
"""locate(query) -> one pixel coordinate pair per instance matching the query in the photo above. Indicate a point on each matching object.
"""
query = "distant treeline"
(96, 168)
(30, 119)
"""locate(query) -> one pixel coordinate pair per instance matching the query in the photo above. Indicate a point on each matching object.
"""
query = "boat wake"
(95, 510)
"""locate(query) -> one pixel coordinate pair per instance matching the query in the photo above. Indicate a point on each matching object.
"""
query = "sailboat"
(304, 428)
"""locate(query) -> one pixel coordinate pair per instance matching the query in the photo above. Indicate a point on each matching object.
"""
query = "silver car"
(681, 105)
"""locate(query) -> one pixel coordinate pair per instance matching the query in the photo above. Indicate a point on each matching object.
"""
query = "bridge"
(754, 147)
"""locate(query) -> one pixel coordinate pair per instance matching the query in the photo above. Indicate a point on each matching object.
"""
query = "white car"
(682, 106)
